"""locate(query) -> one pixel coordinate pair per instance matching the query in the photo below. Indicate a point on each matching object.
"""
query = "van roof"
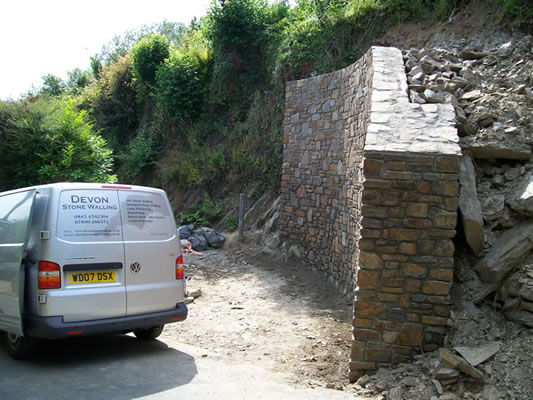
(85, 185)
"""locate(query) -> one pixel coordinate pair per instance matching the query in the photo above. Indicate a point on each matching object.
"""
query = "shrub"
(112, 101)
(231, 223)
(202, 214)
(147, 56)
(180, 87)
(140, 153)
(50, 141)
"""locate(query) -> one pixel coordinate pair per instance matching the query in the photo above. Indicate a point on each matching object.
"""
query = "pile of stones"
(490, 86)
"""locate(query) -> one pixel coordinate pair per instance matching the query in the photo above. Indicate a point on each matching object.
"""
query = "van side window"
(15, 211)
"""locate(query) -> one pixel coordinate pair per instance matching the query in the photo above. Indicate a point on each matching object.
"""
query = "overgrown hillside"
(198, 109)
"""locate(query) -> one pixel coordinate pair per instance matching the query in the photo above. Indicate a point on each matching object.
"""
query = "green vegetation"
(204, 213)
(45, 142)
(231, 223)
(197, 109)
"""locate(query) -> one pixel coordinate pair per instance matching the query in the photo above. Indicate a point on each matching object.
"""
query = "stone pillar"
(406, 262)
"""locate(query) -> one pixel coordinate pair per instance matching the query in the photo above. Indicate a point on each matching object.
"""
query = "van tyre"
(150, 333)
(19, 347)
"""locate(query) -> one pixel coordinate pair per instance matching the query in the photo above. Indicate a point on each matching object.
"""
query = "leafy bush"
(140, 153)
(52, 86)
(112, 102)
(46, 142)
(77, 80)
(180, 87)
(202, 214)
(237, 30)
(147, 56)
(231, 223)
(121, 45)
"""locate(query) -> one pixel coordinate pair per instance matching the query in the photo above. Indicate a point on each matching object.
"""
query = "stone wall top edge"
(333, 73)
(372, 150)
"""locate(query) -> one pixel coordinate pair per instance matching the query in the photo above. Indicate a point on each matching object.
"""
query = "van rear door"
(151, 248)
(15, 215)
(90, 249)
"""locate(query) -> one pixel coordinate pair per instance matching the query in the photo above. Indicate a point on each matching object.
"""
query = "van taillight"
(180, 273)
(49, 275)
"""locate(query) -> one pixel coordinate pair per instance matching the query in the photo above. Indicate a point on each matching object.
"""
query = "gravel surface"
(257, 307)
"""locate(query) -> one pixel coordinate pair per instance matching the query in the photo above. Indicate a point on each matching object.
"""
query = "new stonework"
(369, 194)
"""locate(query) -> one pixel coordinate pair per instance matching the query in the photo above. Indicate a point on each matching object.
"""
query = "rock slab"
(511, 248)
(471, 211)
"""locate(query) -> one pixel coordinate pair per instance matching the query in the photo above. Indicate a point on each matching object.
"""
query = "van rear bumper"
(55, 328)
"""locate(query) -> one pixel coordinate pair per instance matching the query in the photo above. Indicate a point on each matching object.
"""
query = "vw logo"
(135, 267)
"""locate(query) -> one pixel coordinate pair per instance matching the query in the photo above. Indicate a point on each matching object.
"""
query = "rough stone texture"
(471, 211)
(325, 121)
(521, 199)
(369, 194)
(512, 248)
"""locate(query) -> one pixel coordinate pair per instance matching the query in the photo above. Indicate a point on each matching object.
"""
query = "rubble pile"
(487, 353)
(490, 86)
(490, 90)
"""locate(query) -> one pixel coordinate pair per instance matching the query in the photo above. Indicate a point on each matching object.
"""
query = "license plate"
(92, 277)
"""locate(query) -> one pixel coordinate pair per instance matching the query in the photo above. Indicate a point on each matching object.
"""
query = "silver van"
(84, 259)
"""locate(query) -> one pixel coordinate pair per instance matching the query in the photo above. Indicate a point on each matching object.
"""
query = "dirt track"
(257, 307)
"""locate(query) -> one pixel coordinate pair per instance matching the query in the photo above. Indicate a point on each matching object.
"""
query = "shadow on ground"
(105, 367)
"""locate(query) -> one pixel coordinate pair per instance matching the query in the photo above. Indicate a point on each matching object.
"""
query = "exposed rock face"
(489, 86)
(521, 198)
(490, 90)
(512, 248)
(470, 206)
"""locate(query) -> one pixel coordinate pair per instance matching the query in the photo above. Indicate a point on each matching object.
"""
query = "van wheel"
(150, 333)
(19, 347)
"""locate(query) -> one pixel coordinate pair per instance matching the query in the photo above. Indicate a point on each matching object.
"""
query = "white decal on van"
(89, 215)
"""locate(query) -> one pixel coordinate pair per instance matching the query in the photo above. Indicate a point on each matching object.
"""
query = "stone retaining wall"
(369, 195)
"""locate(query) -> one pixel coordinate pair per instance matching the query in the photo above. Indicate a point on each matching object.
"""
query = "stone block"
(358, 350)
(395, 166)
(408, 248)
(404, 234)
(366, 335)
(445, 220)
(361, 365)
(398, 175)
(417, 210)
(440, 274)
(439, 299)
(411, 334)
(413, 285)
(379, 355)
(369, 260)
(443, 248)
(367, 279)
(414, 270)
(362, 322)
(374, 212)
(372, 168)
(447, 164)
(389, 298)
(417, 223)
(436, 287)
(396, 314)
(434, 320)
(367, 308)
(377, 184)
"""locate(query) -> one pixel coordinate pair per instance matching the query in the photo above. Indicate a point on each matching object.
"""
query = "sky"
(40, 37)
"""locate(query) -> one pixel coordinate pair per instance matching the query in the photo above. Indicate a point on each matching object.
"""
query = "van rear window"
(89, 216)
(145, 216)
